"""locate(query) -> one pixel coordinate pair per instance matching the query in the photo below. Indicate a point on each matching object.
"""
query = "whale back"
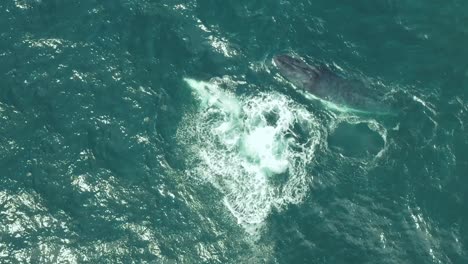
(326, 84)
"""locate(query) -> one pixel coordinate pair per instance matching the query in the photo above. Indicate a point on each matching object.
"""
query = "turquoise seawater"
(138, 131)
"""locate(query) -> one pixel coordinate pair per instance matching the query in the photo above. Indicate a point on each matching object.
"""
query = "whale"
(326, 85)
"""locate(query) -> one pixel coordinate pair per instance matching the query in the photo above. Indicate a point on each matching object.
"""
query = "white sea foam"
(255, 150)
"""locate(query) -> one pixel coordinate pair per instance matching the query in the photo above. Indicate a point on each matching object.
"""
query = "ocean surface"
(138, 131)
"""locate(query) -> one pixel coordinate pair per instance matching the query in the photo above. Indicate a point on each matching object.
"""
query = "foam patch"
(255, 150)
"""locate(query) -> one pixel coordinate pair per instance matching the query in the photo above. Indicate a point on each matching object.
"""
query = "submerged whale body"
(326, 85)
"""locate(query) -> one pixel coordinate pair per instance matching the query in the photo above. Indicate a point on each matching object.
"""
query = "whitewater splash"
(255, 150)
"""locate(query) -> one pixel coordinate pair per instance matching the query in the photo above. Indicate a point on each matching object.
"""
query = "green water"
(161, 132)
